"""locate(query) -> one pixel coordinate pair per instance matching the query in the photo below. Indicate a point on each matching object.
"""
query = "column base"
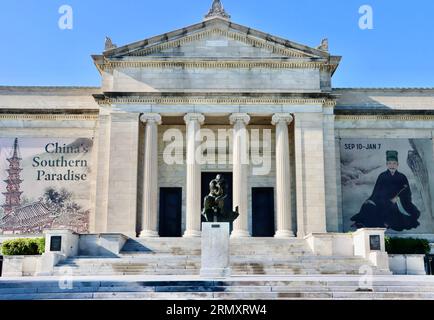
(300, 235)
(192, 234)
(149, 234)
(240, 234)
(284, 234)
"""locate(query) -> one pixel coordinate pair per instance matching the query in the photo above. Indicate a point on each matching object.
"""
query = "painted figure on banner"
(390, 205)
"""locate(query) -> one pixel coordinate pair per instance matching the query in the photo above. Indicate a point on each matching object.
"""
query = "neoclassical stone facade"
(217, 75)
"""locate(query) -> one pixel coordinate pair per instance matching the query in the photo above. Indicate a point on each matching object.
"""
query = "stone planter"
(19, 266)
(101, 245)
(409, 264)
(12, 266)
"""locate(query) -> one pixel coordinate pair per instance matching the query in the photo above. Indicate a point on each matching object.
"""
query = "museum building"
(120, 158)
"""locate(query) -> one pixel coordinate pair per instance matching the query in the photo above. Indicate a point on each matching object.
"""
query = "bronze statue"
(214, 203)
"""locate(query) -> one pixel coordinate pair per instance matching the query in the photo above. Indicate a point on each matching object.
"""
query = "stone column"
(150, 176)
(309, 158)
(283, 177)
(193, 122)
(240, 166)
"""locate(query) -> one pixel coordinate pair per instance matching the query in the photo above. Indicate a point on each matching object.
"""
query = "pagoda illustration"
(19, 218)
(13, 193)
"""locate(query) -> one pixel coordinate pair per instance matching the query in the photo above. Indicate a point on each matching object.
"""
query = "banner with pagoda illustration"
(44, 183)
(388, 183)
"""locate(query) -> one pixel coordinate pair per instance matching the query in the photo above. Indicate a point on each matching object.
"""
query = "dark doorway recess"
(263, 212)
(170, 212)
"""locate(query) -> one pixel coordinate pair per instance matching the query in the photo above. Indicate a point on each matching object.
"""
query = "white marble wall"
(332, 180)
(122, 183)
(181, 79)
(310, 181)
(103, 161)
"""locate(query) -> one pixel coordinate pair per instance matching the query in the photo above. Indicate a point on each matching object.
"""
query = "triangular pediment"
(216, 38)
(216, 43)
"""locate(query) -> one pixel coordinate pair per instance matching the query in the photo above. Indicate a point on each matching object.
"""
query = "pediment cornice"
(217, 64)
(215, 100)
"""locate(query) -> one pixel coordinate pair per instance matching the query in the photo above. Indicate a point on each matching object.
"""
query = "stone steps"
(192, 272)
(318, 288)
(80, 261)
(196, 267)
(182, 246)
(184, 266)
(172, 256)
(221, 296)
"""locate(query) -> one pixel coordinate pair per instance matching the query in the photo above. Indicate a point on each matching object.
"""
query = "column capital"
(281, 117)
(194, 117)
(239, 117)
(150, 117)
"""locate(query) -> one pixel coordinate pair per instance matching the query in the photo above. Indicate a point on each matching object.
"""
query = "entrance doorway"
(170, 212)
(263, 212)
(207, 177)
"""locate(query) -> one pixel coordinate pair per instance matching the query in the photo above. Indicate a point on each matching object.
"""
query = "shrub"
(407, 246)
(23, 247)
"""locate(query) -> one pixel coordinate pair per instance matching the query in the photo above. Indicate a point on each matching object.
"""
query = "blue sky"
(398, 52)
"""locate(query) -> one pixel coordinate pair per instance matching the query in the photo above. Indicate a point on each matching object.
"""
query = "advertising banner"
(44, 183)
(388, 183)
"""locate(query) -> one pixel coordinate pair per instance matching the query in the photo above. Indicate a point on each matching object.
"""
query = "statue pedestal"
(215, 250)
